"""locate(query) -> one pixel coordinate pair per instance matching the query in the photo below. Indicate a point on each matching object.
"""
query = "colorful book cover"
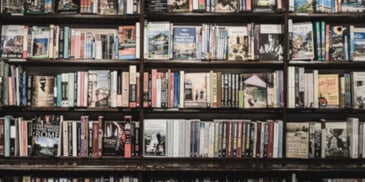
(270, 40)
(303, 6)
(301, 41)
(195, 90)
(127, 42)
(358, 44)
(178, 5)
(154, 138)
(40, 42)
(98, 88)
(158, 36)
(237, 43)
(226, 6)
(108, 7)
(114, 138)
(352, 6)
(255, 93)
(46, 135)
(263, 5)
(324, 6)
(328, 90)
(184, 46)
(337, 44)
(43, 91)
(12, 41)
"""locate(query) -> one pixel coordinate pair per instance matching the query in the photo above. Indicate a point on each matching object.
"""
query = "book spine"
(132, 86)
(128, 136)
(2, 137)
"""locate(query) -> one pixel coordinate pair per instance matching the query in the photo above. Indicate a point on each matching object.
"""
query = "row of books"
(325, 139)
(165, 40)
(325, 6)
(221, 6)
(180, 89)
(101, 7)
(36, 178)
(311, 89)
(51, 135)
(219, 179)
(91, 88)
(322, 41)
(218, 138)
(64, 42)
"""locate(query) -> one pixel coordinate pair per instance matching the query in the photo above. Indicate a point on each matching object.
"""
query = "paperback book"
(358, 44)
(154, 138)
(304, 6)
(358, 89)
(195, 90)
(352, 6)
(237, 43)
(98, 88)
(297, 140)
(158, 36)
(269, 40)
(40, 42)
(68, 6)
(114, 138)
(184, 46)
(301, 41)
(226, 6)
(255, 93)
(178, 5)
(108, 7)
(264, 6)
(328, 90)
(43, 91)
(127, 42)
(335, 140)
(338, 43)
(12, 41)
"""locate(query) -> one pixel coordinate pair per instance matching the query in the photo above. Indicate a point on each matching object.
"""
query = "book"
(226, 6)
(334, 139)
(338, 37)
(352, 6)
(263, 5)
(156, 5)
(12, 7)
(301, 41)
(255, 93)
(358, 90)
(46, 135)
(237, 42)
(68, 6)
(113, 138)
(108, 7)
(127, 42)
(40, 42)
(184, 42)
(12, 41)
(195, 91)
(43, 91)
(158, 36)
(297, 140)
(178, 5)
(98, 88)
(154, 137)
(328, 90)
(358, 44)
(270, 40)
(304, 6)
(324, 6)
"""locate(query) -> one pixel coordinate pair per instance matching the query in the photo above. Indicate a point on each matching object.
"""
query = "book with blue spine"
(184, 42)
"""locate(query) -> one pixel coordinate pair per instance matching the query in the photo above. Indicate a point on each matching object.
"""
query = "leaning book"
(301, 41)
(12, 41)
(154, 137)
(46, 135)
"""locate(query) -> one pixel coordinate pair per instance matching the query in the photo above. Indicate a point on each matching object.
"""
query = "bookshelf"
(163, 168)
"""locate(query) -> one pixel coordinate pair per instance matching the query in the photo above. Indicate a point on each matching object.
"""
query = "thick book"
(43, 91)
(46, 135)
(158, 36)
(301, 41)
(297, 140)
(237, 42)
(195, 90)
(12, 41)
(255, 90)
(335, 139)
(269, 42)
(98, 88)
(154, 137)
(226, 6)
(184, 42)
(127, 42)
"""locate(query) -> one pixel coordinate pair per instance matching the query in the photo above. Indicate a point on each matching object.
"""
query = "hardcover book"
(127, 42)
(224, 6)
(12, 41)
(335, 140)
(158, 36)
(195, 90)
(237, 43)
(263, 5)
(114, 138)
(255, 93)
(358, 44)
(43, 91)
(154, 137)
(184, 39)
(46, 135)
(269, 39)
(301, 41)
(297, 140)
(178, 5)
(98, 88)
